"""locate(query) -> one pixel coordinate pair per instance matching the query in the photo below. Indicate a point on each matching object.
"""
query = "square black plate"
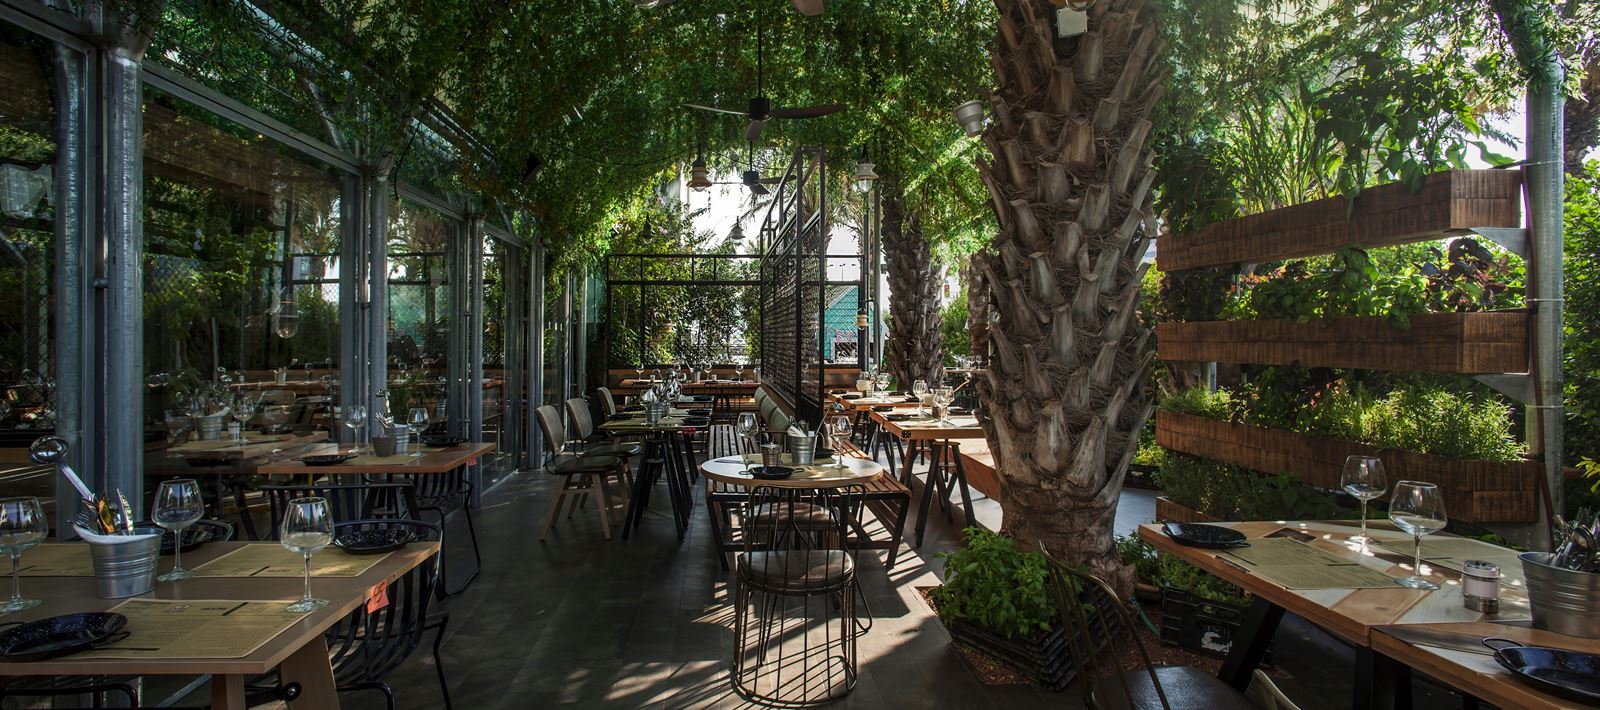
(1203, 535)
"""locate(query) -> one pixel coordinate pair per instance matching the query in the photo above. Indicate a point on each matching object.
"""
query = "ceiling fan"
(760, 109)
(751, 178)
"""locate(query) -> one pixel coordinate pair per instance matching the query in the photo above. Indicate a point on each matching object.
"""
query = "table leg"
(1250, 644)
(310, 669)
(227, 692)
(961, 480)
(1380, 683)
(654, 458)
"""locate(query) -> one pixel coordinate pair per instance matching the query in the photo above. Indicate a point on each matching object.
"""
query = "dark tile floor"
(578, 621)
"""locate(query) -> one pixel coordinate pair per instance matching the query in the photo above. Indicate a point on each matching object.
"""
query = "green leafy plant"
(1235, 493)
(1141, 556)
(1200, 402)
(989, 582)
(1158, 569)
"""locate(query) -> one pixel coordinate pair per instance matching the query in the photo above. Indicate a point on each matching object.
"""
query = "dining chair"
(797, 546)
(578, 475)
(1099, 632)
(346, 501)
(595, 443)
(367, 645)
(608, 403)
(442, 494)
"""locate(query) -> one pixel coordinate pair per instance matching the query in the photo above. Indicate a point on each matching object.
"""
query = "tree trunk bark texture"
(979, 311)
(916, 334)
(1069, 178)
(1583, 120)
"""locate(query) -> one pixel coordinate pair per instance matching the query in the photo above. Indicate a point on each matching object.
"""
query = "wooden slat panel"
(1381, 216)
(1462, 343)
(1474, 491)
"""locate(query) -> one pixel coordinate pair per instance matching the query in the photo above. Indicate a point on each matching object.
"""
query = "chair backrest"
(608, 403)
(578, 414)
(551, 423)
(781, 518)
(371, 644)
(768, 407)
(346, 501)
(1093, 617)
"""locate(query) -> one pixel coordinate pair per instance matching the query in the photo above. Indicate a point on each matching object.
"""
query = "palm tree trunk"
(916, 338)
(1069, 180)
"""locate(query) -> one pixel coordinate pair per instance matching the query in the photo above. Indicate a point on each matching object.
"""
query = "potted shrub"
(996, 600)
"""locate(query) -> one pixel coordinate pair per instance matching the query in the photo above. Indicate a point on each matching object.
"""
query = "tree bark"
(1582, 121)
(916, 335)
(979, 311)
(1069, 179)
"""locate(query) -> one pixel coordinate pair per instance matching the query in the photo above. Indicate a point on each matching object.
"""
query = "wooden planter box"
(1381, 216)
(1168, 511)
(1474, 491)
(1461, 343)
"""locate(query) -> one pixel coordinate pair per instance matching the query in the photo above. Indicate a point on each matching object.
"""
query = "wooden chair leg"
(555, 506)
(603, 502)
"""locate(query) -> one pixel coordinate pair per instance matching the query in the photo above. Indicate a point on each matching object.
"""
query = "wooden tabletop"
(930, 429)
(1351, 614)
(1476, 672)
(638, 425)
(256, 446)
(731, 470)
(862, 403)
(68, 595)
(431, 461)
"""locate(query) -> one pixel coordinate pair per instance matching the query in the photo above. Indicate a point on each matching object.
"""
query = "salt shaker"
(1480, 586)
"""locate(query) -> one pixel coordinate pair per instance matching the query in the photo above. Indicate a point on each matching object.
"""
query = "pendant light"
(699, 176)
(736, 234)
(865, 176)
(970, 116)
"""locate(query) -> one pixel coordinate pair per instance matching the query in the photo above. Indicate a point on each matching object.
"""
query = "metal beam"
(76, 261)
(1545, 183)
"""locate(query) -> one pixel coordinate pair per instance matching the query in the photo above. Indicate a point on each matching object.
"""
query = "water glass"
(920, 390)
(178, 505)
(355, 418)
(307, 527)
(942, 397)
(419, 422)
(1417, 508)
(22, 526)
(1363, 478)
(243, 409)
(840, 429)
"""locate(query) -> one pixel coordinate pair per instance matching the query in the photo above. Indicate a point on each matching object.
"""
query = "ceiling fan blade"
(770, 180)
(753, 131)
(808, 7)
(714, 109)
(807, 111)
(759, 189)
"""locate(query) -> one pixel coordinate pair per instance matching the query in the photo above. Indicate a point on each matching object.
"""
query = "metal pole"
(474, 383)
(377, 345)
(75, 263)
(352, 299)
(121, 465)
(535, 350)
(1545, 185)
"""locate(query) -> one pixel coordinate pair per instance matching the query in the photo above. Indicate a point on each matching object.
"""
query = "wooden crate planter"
(1462, 343)
(1381, 216)
(1168, 511)
(1474, 491)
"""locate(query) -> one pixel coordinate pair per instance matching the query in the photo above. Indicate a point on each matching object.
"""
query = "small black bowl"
(442, 442)
(325, 459)
(772, 473)
(696, 421)
(59, 636)
(374, 541)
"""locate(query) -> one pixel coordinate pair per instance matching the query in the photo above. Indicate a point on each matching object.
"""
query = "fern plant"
(992, 584)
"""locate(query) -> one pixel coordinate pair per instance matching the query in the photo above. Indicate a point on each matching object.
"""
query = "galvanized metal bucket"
(1563, 601)
(803, 449)
(210, 428)
(656, 411)
(126, 569)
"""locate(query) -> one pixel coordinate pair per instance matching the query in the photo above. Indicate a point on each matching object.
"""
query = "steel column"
(352, 298)
(75, 261)
(377, 311)
(1545, 185)
(535, 351)
(474, 369)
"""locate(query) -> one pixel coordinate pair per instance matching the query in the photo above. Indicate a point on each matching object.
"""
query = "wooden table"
(929, 428)
(432, 461)
(945, 467)
(299, 653)
(861, 404)
(1369, 618)
(256, 446)
(732, 470)
(667, 452)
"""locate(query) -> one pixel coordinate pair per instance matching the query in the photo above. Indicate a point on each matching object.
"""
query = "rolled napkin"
(99, 539)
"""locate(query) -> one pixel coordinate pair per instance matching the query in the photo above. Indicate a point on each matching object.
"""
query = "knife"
(1417, 635)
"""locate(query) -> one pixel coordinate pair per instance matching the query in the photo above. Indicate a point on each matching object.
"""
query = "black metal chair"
(1098, 632)
(347, 501)
(366, 646)
(797, 545)
(578, 474)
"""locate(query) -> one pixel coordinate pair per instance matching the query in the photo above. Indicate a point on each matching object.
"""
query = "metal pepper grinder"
(1480, 586)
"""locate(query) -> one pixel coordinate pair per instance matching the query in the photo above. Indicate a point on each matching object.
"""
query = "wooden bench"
(886, 498)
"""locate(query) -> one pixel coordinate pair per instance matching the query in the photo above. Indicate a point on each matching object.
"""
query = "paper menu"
(162, 628)
(1296, 565)
(272, 560)
(1450, 552)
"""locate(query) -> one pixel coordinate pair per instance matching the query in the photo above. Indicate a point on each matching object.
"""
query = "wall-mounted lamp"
(970, 116)
(861, 320)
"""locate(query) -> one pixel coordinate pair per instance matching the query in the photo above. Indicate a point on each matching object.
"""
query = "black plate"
(59, 636)
(883, 408)
(900, 417)
(703, 398)
(1202, 535)
(375, 541)
(852, 395)
(325, 459)
(697, 412)
(442, 442)
(621, 417)
(959, 410)
(772, 473)
(696, 421)
(1569, 674)
(633, 408)
(837, 391)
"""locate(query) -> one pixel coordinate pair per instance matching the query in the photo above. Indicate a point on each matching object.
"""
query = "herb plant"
(989, 582)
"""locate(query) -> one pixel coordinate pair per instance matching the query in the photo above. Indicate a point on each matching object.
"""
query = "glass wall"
(241, 296)
(27, 237)
(419, 309)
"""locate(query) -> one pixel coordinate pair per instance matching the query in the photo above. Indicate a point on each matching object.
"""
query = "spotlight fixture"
(970, 116)
(736, 234)
(865, 176)
(699, 176)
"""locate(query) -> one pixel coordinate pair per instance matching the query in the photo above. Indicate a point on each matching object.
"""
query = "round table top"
(731, 470)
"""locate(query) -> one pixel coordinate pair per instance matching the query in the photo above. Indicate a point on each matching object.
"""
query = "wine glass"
(1363, 478)
(638, 371)
(1417, 508)
(419, 422)
(178, 505)
(307, 528)
(920, 389)
(243, 409)
(355, 418)
(22, 525)
(746, 434)
(942, 397)
(840, 429)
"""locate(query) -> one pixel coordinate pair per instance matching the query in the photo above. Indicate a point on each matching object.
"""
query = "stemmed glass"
(747, 434)
(942, 397)
(307, 528)
(243, 409)
(354, 419)
(840, 429)
(178, 505)
(1417, 508)
(419, 422)
(1363, 478)
(920, 389)
(638, 371)
(22, 525)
